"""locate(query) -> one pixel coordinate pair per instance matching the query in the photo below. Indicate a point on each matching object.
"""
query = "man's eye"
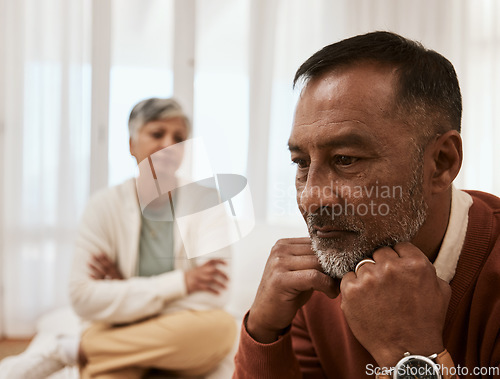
(157, 135)
(344, 160)
(301, 163)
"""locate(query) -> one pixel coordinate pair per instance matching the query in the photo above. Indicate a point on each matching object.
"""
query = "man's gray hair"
(154, 109)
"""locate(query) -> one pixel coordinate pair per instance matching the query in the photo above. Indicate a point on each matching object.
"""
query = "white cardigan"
(111, 224)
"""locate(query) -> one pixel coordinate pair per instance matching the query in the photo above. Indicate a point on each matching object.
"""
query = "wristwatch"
(435, 366)
(417, 366)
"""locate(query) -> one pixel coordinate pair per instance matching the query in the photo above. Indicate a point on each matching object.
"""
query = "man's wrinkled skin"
(346, 132)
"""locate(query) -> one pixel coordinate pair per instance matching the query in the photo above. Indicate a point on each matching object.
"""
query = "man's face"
(359, 172)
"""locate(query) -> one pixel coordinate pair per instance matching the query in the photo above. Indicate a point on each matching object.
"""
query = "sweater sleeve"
(114, 301)
(265, 361)
(304, 349)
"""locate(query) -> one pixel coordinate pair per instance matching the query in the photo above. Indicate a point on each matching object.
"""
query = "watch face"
(417, 367)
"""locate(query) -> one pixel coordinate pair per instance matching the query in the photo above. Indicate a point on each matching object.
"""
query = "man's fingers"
(407, 250)
(311, 279)
(299, 249)
(385, 253)
(304, 262)
(346, 279)
(294, 241)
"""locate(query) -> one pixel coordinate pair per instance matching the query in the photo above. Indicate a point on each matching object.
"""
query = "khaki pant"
(187, 343)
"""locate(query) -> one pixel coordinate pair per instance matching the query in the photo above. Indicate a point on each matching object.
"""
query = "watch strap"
(446, 364)
(384, 377)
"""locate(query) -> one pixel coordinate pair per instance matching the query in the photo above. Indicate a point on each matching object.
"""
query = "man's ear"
(446, 160)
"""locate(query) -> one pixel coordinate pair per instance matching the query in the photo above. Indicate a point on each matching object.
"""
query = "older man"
(401, 274)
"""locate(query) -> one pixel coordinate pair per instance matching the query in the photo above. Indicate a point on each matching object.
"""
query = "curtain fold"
(46, 151)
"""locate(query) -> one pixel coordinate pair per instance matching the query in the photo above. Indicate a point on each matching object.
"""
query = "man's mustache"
(328, 219)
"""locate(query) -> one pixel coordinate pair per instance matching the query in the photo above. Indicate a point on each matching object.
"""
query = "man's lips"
(330, 231)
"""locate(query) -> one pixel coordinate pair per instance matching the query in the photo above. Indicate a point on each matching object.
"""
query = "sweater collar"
(447, 259)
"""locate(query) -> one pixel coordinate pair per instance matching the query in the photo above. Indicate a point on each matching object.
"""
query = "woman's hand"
(207, 277)
(101, 267)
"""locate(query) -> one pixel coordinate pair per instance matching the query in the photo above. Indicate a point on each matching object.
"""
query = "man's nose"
(320, 190)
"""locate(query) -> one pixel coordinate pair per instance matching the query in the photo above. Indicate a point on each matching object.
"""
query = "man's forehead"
(364, 83)
(351, 133)
(361, 97)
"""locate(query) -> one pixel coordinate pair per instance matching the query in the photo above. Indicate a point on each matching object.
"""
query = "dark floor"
(12, 347)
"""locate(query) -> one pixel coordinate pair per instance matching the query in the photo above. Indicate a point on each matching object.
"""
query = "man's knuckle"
(281, 241)
(346, 289)
(382, 250)
(369, 280)
(358, 288)
(276, 262)
(390, 269)
(279, 250)
(344, 305)
(316, 276)
(277, 280)
(415, 264)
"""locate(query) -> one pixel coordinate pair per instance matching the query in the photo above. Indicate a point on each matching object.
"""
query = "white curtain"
(45, 146)
(245, 58)
(140, 67)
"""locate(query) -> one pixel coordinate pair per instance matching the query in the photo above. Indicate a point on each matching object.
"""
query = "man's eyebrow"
(346, 140)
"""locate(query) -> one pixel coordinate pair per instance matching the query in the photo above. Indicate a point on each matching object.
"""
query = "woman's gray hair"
(154, 109)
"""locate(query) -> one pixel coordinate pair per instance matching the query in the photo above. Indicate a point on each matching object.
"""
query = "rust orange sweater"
(321, 345)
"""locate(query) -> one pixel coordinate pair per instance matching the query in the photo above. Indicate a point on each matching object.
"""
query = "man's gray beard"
(403, 222)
